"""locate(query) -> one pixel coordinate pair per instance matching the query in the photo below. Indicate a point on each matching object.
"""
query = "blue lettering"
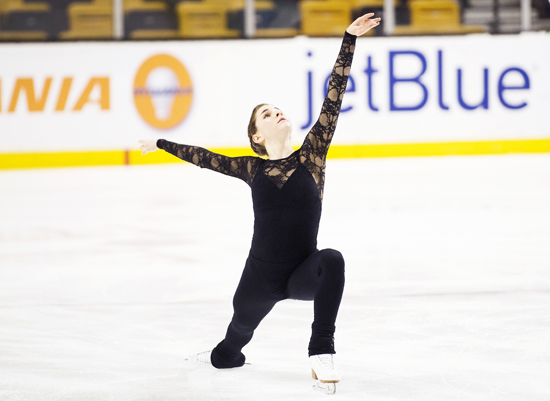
(309, 99)
(394, 81)
(414, 82)
(440, 79)
(502, 87)
(485, 102)
(370, 71)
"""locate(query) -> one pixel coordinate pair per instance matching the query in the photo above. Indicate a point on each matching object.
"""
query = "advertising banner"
(57, 97)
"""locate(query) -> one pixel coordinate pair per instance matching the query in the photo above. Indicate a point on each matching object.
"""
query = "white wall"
(228, 78)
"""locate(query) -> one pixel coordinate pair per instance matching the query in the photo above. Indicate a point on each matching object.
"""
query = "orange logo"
(163, 91)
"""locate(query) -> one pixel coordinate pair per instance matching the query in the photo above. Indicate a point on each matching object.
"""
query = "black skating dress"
(284, 262)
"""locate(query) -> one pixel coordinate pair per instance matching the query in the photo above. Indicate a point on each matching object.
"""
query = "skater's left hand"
(363, 24)
(148, 146)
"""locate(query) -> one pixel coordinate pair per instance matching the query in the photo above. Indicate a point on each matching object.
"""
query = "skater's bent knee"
(332, 257)
(332, 265)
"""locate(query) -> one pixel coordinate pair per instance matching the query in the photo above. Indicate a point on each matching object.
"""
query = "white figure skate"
(200, 359)
(324, 373)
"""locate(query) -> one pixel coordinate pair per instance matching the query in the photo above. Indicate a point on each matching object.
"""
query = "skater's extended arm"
(239, 167)
(319, 137)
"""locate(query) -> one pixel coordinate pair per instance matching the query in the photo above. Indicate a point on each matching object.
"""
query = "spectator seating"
(325, 17)
(212, 18)
(164, 19)
(58, 13)
(435, 17)
(91, 20)
(204, 19)
(149, 20)
(542, 7)
(279, 18)
(402, 12)
(22, 21)
(413, 17)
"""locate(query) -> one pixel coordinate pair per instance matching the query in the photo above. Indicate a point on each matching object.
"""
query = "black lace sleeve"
(315, 147)
(240, 167)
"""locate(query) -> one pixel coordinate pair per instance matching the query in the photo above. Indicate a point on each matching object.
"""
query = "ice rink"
(110, 276)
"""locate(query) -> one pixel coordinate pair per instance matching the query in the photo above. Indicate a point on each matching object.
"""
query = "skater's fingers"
(363, 19)
(363, 24)
(148, 146)
(366, 16)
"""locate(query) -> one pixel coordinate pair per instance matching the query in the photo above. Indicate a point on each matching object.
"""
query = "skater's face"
(272, 125)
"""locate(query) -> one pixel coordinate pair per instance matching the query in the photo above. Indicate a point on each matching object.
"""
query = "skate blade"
(196, 363)
(325, 388)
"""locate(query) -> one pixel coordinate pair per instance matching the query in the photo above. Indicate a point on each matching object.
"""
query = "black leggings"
(319, 278)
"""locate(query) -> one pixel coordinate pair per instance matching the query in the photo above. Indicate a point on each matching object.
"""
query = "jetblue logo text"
(427, 81)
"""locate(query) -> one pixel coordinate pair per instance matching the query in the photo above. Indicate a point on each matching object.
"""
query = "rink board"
(114, 158)
(66, 104)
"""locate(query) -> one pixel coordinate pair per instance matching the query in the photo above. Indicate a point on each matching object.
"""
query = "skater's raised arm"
(320, 136)
(239, 167)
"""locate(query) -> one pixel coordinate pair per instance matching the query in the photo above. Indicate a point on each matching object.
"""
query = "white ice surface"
(109, 277)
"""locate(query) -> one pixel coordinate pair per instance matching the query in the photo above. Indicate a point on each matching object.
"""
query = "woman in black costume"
(287, 192)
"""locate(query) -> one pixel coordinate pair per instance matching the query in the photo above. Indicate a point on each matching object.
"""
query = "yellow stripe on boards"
(121, 157)
(61, 159)
(440, 149)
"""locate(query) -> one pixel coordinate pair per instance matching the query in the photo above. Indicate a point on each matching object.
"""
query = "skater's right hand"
(148, 145)
(363, 24)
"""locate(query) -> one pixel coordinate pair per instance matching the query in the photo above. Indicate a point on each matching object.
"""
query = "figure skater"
(287, 193)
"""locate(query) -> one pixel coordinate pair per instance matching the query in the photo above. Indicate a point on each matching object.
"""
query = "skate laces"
(326, 362)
